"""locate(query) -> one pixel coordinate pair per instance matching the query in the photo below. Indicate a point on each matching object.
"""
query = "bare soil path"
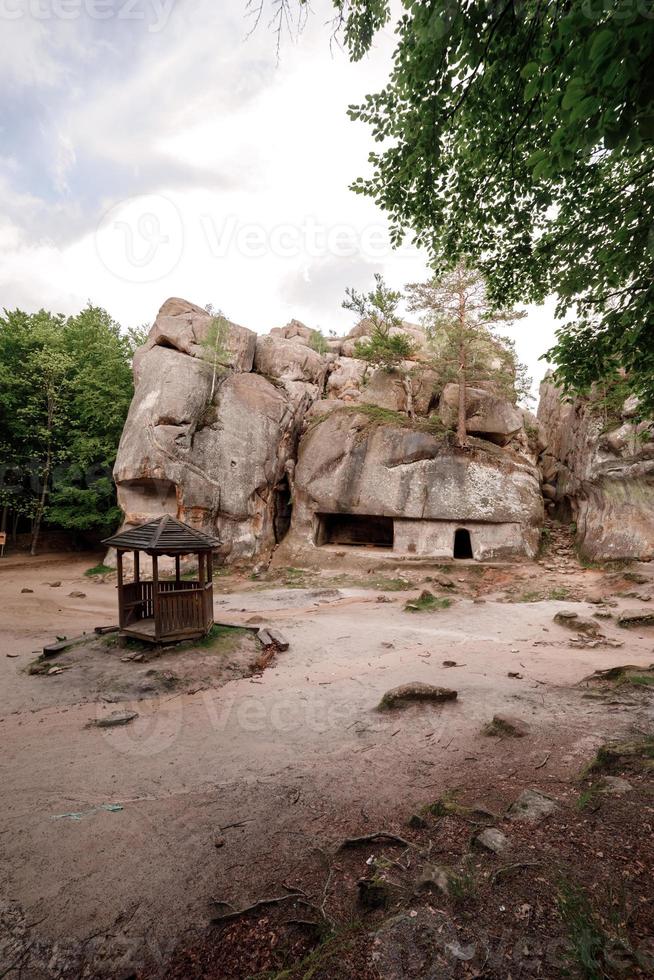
(114, 841)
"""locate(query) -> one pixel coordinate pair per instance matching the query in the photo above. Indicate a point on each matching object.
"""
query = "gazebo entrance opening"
(159, 610)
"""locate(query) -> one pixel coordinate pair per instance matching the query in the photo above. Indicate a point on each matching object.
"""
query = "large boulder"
(183, 326)
(353, 463)
(603, 474)
(294, 330)
(220, 449)
(488, 414)
(219, 463)
(288, 360)
(346, 379)
(386, 389)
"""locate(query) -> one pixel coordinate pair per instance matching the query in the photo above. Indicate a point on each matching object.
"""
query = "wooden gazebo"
(162, 610)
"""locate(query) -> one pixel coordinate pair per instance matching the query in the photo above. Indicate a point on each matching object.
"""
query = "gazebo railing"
(181, 609)
(137, 602)
(182, 605)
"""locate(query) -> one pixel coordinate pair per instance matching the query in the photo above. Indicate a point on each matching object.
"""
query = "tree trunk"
(461, 431)
(408, 391)
(36, 528)
(38, 516)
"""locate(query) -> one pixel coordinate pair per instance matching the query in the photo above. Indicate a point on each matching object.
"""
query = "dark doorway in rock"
(462, 543)
(282, 509)
(355, 530)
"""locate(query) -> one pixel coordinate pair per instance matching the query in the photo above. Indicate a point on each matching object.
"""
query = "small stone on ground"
(400, 697)
(532, 805)
(492, 839)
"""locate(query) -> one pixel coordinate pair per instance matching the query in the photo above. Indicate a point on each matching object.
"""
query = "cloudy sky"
(151, 148)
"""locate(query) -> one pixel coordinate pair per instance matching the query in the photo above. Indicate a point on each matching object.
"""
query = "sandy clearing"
(299, 754)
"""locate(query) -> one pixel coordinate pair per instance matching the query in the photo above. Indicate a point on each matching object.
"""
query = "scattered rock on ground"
(616, 785)
(532, 805)
(419, 943)
(507, 726)
(27, 590)
(433, 878)
(491, 839)
(54, 585)
(636, 617)
(400, 697)
(268, 635)
(573, 621)
(77, 595)
(114, 719)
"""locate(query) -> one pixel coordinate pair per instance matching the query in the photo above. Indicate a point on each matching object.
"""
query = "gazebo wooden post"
(209, 566)
(137, 569)
(121, 604)
(200, 601)
(155, 596)
(177, 569)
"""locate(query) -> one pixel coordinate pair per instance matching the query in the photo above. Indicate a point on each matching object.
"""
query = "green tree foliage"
(318, 342)
(66, 387)
(460, 323)
(214, 349)
(521, 134)
(386, 346)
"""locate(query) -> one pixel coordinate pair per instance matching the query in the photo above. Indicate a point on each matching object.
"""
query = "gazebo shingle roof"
(163, 536)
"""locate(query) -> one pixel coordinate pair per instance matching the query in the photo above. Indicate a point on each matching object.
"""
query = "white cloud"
(232, 171)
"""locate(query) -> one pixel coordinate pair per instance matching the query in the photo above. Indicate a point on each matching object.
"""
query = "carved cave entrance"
(355, 530)
(462, 543)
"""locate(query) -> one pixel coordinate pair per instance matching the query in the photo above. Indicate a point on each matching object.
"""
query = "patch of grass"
(589, 798)
(497, 728)
(462, 885)
(391, 585)
(218, 634)
(531, 596)
(587, 939)
(386, 416)
(617, 754)
(445, 806)
(616, 565)
(99, 570)
(294, 578)
(333, 943)
(39, 666)
(544, 542)
(426, 602)
(645, 680)
(560, 592)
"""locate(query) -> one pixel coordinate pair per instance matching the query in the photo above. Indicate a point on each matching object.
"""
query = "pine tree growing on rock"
(387, 346)
(460, 323)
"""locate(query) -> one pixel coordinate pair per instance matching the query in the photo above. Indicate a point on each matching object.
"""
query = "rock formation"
(300, 435)
(598, 469)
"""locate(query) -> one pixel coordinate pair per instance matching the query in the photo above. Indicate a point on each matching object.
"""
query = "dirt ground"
(231, 786)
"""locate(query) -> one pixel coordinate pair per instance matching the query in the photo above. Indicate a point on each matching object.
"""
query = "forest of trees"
(520, 137)
(66, 387)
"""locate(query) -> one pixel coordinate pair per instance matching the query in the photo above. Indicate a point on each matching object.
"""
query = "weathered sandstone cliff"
(599, 472)
(312, 442)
